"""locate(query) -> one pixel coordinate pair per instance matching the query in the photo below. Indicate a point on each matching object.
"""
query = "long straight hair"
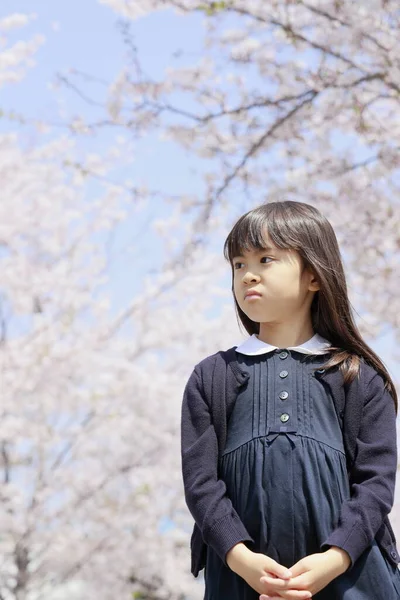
(301, 227)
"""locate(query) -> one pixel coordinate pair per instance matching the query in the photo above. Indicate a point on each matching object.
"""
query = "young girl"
(288, 440)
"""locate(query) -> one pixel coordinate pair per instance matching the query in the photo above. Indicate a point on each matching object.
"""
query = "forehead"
(257, 251)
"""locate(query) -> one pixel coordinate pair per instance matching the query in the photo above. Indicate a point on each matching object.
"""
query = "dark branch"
(255, 147)
(335, 19)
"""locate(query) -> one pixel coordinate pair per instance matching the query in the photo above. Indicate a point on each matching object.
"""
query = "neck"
(285, 335)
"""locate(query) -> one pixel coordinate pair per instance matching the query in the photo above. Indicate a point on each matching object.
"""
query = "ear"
(314, 283)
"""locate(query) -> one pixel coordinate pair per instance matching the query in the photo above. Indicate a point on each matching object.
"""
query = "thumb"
(279, 570)
(297, 568)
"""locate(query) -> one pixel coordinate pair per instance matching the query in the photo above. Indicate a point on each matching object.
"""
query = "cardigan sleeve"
(373, 475)
(206, 494)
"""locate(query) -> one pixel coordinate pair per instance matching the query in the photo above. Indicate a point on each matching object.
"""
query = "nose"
(247, 277)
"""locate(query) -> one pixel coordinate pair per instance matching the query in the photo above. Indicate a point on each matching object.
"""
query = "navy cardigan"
(368, 419)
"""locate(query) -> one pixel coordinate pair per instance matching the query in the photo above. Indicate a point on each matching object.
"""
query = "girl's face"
(284, 291)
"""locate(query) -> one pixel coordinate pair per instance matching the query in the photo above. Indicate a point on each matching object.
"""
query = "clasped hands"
(307, 577)
(273, 581)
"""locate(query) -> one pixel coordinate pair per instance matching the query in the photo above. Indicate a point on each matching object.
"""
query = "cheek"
(238, 293)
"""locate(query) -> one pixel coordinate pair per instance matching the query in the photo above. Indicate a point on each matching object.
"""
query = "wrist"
(237, 557)
(341, 557)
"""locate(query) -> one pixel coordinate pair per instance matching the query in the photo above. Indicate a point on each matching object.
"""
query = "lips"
(252, 293)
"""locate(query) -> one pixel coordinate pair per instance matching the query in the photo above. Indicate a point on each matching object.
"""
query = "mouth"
(252, 295)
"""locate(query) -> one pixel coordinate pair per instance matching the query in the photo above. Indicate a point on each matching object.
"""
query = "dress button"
(283, 374)
(320, 371)
(285, 417)
(283, 355)
(283, 395)
(393, 554)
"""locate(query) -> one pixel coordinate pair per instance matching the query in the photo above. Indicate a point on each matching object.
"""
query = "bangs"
(255, 232)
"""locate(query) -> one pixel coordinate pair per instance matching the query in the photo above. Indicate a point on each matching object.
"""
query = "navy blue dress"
(284, 466)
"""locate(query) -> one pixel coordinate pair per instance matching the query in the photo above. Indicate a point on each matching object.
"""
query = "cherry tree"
(288, 98)
(294, 99)
(89, 459)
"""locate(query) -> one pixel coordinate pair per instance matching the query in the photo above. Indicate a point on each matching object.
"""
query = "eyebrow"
(262, 251)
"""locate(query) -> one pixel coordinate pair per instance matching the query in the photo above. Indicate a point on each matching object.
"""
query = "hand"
(251, 566)
(311, 573)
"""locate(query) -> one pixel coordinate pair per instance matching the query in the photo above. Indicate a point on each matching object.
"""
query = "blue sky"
(85, 36)
(89, 40)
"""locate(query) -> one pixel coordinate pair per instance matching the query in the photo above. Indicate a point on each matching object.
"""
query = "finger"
(274, 577)
(295, 594)
(263, 597)
(298, 568)
(301, 582)
(289, 595)
(275, 568)
(294, 583)
(277, 584)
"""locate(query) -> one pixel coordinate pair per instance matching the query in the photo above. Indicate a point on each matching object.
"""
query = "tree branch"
(312, 94)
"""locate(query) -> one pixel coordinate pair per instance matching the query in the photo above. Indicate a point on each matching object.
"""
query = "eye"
(240, 263)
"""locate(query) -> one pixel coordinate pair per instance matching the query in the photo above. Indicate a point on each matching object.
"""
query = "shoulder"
(373, 382)
(367, 380)
(367, 372)
(212, 368)
(219, 358)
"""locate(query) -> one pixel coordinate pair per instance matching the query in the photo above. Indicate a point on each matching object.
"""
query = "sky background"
(86, 36)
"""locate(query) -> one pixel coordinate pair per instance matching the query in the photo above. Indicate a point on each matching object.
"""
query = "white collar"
(253, 346)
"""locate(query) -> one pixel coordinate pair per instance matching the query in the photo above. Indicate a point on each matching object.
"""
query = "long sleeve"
(373, 476)
(206, 494)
